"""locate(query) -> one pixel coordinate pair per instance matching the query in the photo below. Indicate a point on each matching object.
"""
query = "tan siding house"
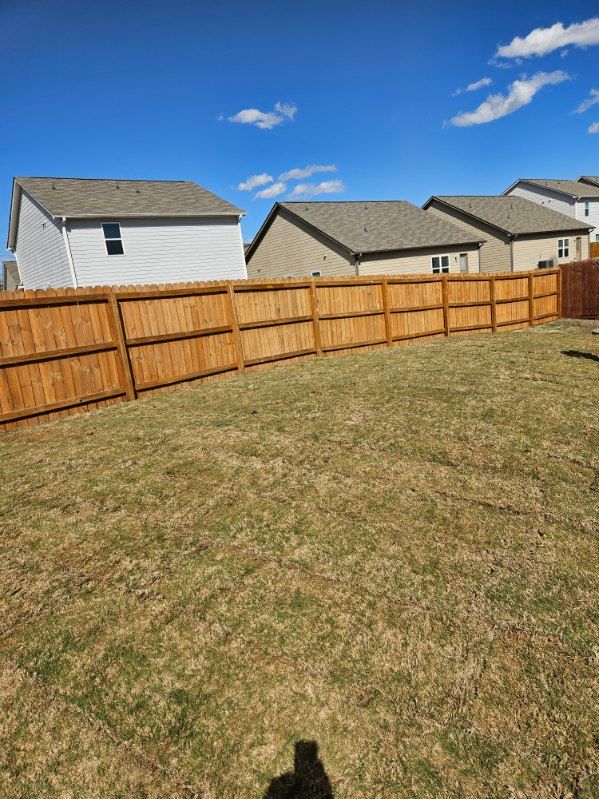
(420, 262)
(495, 254)
(520, 234)
(331, 239)
(294, 249)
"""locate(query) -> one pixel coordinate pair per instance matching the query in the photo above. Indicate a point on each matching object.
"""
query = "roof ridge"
(107, 180)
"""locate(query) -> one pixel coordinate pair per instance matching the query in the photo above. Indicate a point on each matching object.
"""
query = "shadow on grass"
(308, 780)
(576, 354)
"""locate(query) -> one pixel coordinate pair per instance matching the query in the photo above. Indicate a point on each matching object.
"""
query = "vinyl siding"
(417, 262)
(291, 249)
(10, 278)
(532, 249)
(158, 251)
(494, 254)
(592, 218)
(40, 250)
(550, 199)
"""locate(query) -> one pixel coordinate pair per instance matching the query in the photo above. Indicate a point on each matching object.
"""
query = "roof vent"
(117, 185)
(53, 186)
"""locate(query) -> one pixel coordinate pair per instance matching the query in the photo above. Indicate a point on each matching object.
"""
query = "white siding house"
(68, 232)
(575, 198)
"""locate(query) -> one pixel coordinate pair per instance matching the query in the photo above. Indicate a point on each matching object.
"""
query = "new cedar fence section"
(66, 351)
(580, 290)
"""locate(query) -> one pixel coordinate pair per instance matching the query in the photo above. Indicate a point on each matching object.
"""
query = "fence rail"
(62, 352)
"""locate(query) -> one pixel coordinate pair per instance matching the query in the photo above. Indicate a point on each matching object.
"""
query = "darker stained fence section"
(580, 290)
(62, 352)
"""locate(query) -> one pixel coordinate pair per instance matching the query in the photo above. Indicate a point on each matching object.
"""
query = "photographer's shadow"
(308, 780)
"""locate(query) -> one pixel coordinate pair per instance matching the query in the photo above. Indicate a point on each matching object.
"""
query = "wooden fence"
(580, 290)
(66, 351)
(594, 249)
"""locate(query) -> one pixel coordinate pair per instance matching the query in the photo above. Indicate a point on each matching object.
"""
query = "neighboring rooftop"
(513, 215)
(573, 188)
(89, 197)
(589, 179)
(367, 227)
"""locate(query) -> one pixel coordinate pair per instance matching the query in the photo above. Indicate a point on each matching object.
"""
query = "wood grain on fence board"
(76, 349)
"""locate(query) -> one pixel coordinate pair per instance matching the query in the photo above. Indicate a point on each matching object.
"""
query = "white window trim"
(112, 238)
(587, 208)
(563, 248)
(441, 270)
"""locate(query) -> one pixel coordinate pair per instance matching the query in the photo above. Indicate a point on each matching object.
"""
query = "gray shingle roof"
(591, 178)
(88, 197)
(572, 187)
(365, 227)
(514, 215)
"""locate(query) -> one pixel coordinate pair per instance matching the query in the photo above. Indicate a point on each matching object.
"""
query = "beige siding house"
(332, 239)
(519, 234)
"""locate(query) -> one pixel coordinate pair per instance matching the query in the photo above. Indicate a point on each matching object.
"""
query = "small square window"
(113, 238)
(114, 247)
(315, 274)
(440, 264)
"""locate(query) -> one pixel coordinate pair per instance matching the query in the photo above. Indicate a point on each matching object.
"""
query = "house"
(592, 181)
(85, 232)
(358, 238)
(576, 198)
(519, 234)
(11, 279)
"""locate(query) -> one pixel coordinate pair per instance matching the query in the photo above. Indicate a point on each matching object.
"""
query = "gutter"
(67, 244)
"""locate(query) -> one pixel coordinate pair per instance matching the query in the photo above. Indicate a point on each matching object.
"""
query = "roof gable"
(511, 214)
(571, 188)
(366, 227)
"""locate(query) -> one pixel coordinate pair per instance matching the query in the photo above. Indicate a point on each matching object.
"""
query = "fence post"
(531, 303)
(493, 304)
(559, 292)
(117, 328)
(315, 318)
(388, 330)
(445, 295)
(236, 332)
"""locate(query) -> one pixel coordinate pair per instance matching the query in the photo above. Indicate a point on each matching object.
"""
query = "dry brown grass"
(393, 554)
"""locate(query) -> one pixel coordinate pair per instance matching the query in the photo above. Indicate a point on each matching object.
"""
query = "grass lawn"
(393, 554)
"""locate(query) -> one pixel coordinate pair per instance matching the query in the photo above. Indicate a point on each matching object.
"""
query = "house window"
(586, 207)
(440, 264)
(113, 238)
(563, 248)
(315, 274)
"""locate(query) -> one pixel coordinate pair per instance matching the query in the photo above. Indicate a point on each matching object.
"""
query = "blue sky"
(148, 90)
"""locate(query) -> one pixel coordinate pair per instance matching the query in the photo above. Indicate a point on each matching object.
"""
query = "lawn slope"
(393, 554)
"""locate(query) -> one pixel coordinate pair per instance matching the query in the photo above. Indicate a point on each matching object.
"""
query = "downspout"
(357, 262)
(512, 252)
(67, 244)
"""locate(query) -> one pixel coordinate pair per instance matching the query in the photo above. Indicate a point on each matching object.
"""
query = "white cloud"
(520, 93)
(472, 87)
(254, 181)
(541, 41)
(314, 189)
(311, 169)
(591, 100)
(272, 191)
(266, 120)
(594, 128)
